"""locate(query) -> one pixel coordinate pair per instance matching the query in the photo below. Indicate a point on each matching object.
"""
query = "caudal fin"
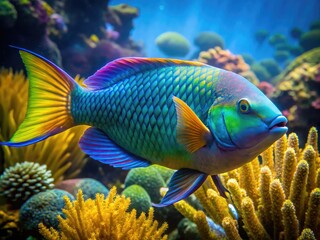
(48, 110)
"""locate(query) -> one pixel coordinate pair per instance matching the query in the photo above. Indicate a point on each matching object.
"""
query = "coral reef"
(173, 44)
(23, 180)
(103, 219)
(298, 89)
(281, 55)
(207, 40)
(224, 59)
(89, 186)
(139, 198)
(42, 207)
(260, 71)
(60, 153)
(276, 197)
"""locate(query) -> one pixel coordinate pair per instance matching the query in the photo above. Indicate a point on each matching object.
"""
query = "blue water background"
(235, 21)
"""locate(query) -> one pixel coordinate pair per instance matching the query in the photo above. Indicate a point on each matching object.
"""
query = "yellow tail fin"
(49, 101)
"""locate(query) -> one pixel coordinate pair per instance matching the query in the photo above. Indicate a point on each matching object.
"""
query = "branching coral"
(60, 153)
(224, 59)
(277, 195)
(103, 218)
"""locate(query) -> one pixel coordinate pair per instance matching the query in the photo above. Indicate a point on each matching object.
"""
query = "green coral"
(315, 25)
(310, 40)
(248, 58)
(42, 207)
(296, 33)
(8, 14)
(207, 40)
(139, 198)
(173, 44)
(281, 55)
(148, 178)
(165, 173)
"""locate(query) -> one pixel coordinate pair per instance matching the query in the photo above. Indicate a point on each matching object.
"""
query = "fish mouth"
(278, 125)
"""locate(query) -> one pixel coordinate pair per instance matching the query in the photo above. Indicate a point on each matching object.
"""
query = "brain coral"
(173, 44)
(207, 40)
(42, 207)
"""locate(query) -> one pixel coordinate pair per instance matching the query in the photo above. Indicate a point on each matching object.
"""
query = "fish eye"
(244, 105)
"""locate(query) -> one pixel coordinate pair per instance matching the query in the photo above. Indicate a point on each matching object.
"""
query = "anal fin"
(99, 146)
(182, 184)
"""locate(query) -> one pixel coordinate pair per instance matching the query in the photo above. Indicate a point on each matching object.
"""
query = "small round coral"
(148, 178)
(173, 44)
(207, 40)
(21, 181)
(139, 198)
(42, 207)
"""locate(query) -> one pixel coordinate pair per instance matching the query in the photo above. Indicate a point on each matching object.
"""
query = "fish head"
(244, 118)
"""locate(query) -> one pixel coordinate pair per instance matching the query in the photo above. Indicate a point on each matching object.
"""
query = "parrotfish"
(184, 115)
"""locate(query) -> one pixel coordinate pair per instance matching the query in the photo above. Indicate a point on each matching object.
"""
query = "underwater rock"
(224, 59)
(271, 66)
(148, 178)
(89, 186)
(261, 35)
(173, 44)
(207, 40)
(310, 40)
(42, 207)
(23, 180)
(139, 198)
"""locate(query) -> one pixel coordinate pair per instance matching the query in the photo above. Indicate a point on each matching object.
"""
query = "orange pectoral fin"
(191, 132)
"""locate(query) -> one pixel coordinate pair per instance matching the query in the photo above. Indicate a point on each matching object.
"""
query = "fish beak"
(278, 125)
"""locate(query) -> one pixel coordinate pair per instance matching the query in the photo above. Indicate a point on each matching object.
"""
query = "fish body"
(183, 115)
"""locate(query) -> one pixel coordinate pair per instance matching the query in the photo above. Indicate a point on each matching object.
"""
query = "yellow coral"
(104, 218)
(282, 203)
(60, 153)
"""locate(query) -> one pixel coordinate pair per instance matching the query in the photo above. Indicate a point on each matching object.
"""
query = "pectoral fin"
(191, 132)
(98, 146)
(182, 184)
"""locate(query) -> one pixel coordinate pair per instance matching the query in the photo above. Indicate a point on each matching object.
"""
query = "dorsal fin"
(118, 69)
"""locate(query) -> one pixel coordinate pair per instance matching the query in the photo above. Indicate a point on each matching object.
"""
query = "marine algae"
(104, 218)
(60, 153)
(283, 202)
